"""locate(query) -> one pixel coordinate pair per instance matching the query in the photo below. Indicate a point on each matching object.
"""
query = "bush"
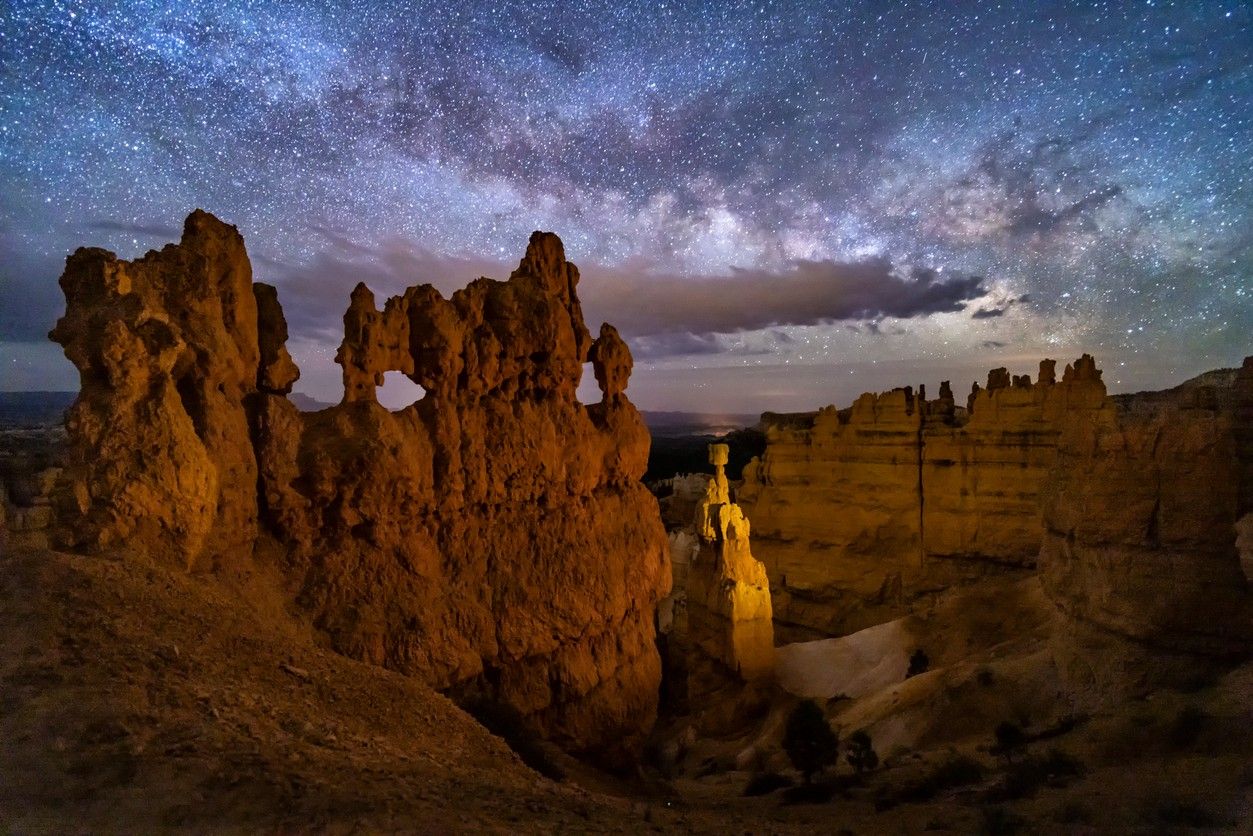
(808, 740)
(861, 754)
(765, 783)
(919, 662)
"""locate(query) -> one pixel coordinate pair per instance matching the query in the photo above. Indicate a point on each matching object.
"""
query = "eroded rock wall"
(1140, 553)
(836, 515)
(863, 514)
(493, 538)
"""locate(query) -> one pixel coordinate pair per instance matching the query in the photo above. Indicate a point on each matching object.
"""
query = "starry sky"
(780, 204)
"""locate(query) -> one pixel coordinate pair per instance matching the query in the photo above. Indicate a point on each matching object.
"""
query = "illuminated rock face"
(1140, 549)
(860, 514)
(493, 538)
(167, 352)
(728, 593)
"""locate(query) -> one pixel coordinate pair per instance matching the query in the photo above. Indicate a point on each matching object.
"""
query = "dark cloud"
(993, 344)
(1001, 309)
(166, 233)
(682, 344)
(808, 293)
(663, 314)
(314, 294)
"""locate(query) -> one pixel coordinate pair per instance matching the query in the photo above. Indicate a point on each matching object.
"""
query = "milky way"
(782, 204)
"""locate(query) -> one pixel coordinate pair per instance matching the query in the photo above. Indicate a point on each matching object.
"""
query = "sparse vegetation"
(956, 771)
(810, 743)
(919, 662)
(861, 755)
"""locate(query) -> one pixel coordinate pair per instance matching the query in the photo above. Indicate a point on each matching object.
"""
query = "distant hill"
(34, 409)
(307, 403)
(675, 424)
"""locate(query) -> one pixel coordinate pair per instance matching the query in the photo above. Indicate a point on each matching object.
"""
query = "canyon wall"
(860, 514)
(1140, 553)
(493, 538)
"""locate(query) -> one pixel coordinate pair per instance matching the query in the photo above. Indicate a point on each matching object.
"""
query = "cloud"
(1000, 309)
(166, 233)
(807, 293)
(683, 344)
(664, 314)
(993, 344)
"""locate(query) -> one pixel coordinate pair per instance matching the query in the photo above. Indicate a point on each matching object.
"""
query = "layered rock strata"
(728, 593)
(862, 513)
(1140, 552)
(493, 538)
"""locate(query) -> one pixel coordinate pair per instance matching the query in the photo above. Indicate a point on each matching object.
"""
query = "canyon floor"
(139, 698)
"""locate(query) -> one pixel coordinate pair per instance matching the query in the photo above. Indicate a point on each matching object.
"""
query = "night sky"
(779, 204)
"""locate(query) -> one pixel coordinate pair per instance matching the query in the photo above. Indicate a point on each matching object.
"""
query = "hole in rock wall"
(321, 382)
(588, 391)
(398, 391)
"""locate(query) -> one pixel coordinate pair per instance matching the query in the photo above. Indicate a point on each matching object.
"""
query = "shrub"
(919, 662)
(810, 743)
(861, 754)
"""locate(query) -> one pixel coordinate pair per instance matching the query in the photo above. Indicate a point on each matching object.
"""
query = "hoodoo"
(493, 538)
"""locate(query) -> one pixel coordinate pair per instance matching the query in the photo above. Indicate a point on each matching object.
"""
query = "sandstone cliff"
(862, 513)
(1140, 527)
(493, 538)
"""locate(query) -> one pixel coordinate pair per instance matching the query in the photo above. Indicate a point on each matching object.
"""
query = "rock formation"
(1140, 527)
(860, 513)
(493, 538)
(728, 594)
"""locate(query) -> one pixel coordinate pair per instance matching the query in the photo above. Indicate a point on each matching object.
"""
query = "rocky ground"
(137, 698)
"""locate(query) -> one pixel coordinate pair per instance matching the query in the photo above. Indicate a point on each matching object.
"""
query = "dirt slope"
(136, 699)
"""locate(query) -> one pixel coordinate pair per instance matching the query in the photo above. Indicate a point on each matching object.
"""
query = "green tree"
(861, 754)
(809, 741)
